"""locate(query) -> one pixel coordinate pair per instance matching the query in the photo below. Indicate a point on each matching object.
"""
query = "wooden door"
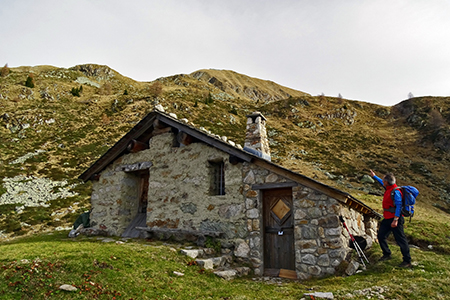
(279, 254)
(143, 191)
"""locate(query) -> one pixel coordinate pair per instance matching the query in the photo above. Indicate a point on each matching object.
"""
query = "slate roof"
(143, 131)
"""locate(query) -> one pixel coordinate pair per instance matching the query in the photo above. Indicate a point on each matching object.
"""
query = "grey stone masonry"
(113, 201)
(179, 193)
(321, 243)
(256, 135)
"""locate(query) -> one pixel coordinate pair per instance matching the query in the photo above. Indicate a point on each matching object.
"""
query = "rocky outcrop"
(98, 72)
(427, 116)
(243, 86)
(345, 114)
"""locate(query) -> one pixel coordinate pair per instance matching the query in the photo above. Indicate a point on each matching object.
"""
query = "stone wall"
(320, 241)
(320, 246)
(114, 201)
(179, 191)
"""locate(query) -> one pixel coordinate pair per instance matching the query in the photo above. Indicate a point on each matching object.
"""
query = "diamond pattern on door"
(280, 211)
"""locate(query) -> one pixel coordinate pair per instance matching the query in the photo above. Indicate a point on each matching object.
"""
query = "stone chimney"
(256, 136)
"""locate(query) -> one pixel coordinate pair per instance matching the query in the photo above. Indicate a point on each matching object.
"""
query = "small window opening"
(217, 178)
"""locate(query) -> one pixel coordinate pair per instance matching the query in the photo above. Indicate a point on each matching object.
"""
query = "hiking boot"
(385, 257)
(405, 264)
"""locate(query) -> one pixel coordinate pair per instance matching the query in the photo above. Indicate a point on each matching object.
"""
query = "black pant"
(385, 230)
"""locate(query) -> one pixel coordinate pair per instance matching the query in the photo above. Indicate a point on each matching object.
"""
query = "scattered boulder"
(46, 95)
(320, 295)
(352, 268)
(330, 176)
(68, 288)
(159, 107)
(192, 253)
(108, 240)
(367, 179)
(207, 264)
(242, 271)
(227, 274)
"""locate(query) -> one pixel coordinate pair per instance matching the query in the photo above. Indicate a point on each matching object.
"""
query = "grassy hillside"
(60, 126)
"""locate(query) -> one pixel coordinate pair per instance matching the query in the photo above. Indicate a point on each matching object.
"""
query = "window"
(217, 177)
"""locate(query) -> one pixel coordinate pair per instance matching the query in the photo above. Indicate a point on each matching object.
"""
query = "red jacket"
(388, 202)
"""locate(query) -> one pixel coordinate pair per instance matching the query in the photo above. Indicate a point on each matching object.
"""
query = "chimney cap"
(256, 114)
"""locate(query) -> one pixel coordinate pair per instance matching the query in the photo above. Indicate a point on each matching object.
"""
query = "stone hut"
(168, 178)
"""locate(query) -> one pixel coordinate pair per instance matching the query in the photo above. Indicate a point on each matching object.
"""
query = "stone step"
(233, 273)
(193, 253)
(205, 259)
(214, 262)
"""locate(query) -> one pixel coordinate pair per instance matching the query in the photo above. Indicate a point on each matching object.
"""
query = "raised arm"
(374, 176)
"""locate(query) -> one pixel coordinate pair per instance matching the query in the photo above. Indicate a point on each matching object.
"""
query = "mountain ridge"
(246, 86)
(330, 139)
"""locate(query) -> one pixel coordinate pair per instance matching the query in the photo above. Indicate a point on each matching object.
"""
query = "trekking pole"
(355, 244)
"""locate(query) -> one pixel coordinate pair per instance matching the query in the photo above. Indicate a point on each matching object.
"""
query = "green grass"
(140, 269)
(35, 215)
(2, 190)
(336, 148)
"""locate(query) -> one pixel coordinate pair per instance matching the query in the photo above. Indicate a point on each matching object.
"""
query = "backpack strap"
(402, 192)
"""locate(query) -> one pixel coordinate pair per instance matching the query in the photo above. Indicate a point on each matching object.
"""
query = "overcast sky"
(373, 51)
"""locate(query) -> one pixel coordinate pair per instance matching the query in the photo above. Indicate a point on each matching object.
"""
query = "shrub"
(125, 92)
(209, 99)
(76, 91)
(30, 81)
(155, 89)
(5, 71)
(233, 111)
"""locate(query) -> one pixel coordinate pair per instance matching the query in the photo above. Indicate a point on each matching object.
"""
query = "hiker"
(393, 220)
